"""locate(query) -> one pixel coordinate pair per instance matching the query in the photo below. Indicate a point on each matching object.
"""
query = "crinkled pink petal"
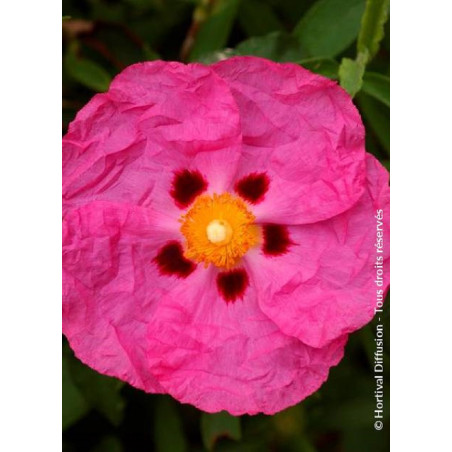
(111, 287)
(324, 286)
(156, 118)
(230, 356)
(304, 132)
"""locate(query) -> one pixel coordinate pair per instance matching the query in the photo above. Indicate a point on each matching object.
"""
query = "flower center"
(219, 230)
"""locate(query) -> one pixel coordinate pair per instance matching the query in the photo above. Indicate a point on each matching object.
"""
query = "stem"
(200, 15)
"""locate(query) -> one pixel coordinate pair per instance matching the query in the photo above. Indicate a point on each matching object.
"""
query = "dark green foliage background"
(100, 38)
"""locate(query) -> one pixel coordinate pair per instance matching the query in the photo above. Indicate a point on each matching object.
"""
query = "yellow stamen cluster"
(219, 230)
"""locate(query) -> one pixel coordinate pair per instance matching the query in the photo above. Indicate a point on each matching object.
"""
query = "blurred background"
(345, 40)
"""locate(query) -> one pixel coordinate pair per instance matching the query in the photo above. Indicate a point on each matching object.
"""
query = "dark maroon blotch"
(276, 239)
(253, 187)
(232, 284)
(171, 261)
(187, 185)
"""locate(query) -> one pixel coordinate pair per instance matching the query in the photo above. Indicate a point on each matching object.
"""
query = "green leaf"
(351, 74)
(214, 32)
(330, 26)
(323, 66)
(87, 73)
(275, 46)
(74, 404)
(215, 426)
(377, 86)
(101, 392)
(169, 435)
(257, 18)
(372, 27)
(377, 116)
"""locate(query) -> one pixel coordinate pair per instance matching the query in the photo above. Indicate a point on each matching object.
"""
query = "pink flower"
(219, 231)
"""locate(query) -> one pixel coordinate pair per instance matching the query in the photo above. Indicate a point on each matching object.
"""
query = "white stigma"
(216, 231)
